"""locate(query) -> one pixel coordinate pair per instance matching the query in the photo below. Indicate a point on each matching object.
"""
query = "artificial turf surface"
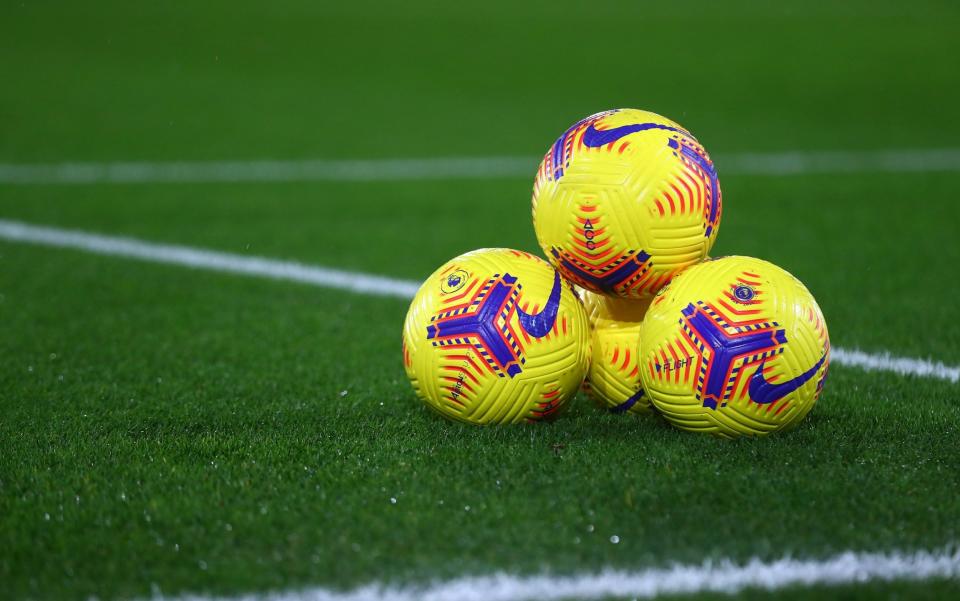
(166, 429)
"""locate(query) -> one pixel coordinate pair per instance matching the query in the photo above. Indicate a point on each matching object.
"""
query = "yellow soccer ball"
(613, 380)
(734, 346)
(496, 336)
(624, 200)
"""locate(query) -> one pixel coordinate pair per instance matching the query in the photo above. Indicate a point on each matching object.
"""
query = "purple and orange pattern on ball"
(625, 199)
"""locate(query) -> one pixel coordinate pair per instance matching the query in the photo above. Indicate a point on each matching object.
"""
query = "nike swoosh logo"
(593, 137)
(763, 392)
(627, 404)
(540, 324)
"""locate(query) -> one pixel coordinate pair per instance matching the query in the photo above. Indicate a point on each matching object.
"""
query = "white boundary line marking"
(868, 161)
(351, 281)
(899, 365)
(205, 259)
(719, 577)
(270, 171)
(771, 163)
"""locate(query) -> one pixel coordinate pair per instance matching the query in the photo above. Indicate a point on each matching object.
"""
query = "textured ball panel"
(613, 379)
(496, 336)
(624, 200)
(734, 346)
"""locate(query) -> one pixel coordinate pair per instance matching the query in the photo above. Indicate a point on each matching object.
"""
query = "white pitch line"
(269, 171)
(448, 168)
(841, 161)
(198, 258)
(352, 281)
(710, 577)
(899, 365)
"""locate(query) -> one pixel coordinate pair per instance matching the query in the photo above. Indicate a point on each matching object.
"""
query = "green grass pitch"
(185, 431)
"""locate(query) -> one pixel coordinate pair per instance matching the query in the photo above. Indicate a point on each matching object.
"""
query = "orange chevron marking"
(686, 352)
(676, 360)
(586, 257)
(462, 369)
(462, 383)
(680, 195)
(673, 207)
(452, 390)
(723, 304)
(469, 347)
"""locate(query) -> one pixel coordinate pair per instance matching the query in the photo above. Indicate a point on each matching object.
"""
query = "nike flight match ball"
(734, 346)
(613, 380)
(496, 336)
(624, 200)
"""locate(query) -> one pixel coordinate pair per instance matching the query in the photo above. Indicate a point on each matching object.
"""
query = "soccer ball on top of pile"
(734, 346)
(613, 379)
(496, 336)
(624, 200)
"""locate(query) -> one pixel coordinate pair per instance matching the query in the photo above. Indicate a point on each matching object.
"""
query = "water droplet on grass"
(344, 393)
(393, 500)
(615, 539)
(589, 527)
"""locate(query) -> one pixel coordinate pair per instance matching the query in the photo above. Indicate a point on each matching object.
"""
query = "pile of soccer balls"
(626, 206)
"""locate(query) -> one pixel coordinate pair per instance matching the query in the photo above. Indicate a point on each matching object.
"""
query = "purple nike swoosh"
(763, 392)
(593, 137)
(627, 404)
(540, 324)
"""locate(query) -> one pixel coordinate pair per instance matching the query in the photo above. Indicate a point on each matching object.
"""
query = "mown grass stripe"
(352, 281)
